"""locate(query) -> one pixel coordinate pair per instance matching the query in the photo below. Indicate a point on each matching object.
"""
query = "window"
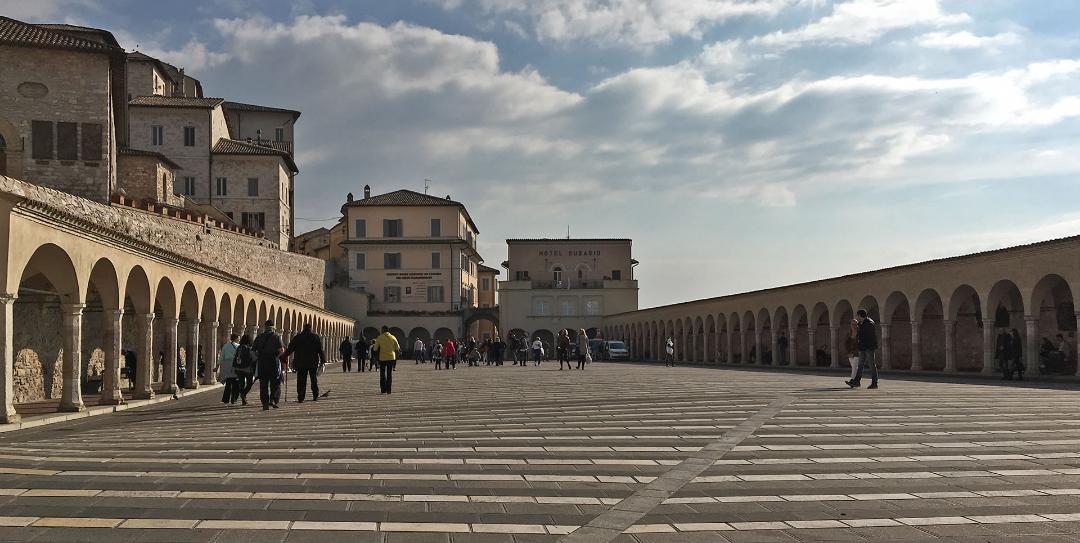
(361, 261)
(541, 307)
(67, 141)
(229, 214)
(485, 284)
(189, 136)
(253, 186)
(592, 307)
(436, 261)
(557, 275)
(392, 228)
(568, 308)
(91, 141)
(464, 261)
(157, 135)
(253, 221)
(361, 228)
(616, 275)
(279, 134)
(434, 295)
(222, 186)
(42, 134)
(392, 261)
(436, 228)
(521, 276)
(189, 186)
(392, 295)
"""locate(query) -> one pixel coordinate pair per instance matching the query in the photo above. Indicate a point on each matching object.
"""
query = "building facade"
(556, 284)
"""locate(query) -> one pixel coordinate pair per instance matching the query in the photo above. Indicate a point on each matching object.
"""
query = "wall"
(595, 259)
(194, 161)
(146, 178)
(143, 79)
(246, 124)
(78, 91)
(273, 191)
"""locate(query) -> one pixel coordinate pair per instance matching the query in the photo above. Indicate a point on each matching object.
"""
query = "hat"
(270, 323)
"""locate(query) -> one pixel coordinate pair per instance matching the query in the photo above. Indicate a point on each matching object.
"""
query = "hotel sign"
(569, 252)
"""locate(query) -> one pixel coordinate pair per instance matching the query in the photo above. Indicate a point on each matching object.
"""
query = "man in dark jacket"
(268, 347)
(346, 355)
(307, 346)
(866, 336)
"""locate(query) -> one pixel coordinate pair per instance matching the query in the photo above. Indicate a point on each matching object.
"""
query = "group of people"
(265, 358)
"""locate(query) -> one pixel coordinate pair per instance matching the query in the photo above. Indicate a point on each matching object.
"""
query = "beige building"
(484, 324)
(553, 284)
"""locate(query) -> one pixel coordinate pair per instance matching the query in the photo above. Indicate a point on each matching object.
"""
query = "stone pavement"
(619, 452)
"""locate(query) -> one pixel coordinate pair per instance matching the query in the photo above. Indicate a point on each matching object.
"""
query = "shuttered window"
(42, 139)
(67, 141)
(91, 141)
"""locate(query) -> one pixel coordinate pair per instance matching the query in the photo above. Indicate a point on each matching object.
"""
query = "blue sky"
(741, 144)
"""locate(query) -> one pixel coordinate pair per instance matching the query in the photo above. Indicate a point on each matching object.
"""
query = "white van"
(616, 350)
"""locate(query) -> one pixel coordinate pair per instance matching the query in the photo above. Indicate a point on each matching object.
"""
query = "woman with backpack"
(243, 366)
(227, 375)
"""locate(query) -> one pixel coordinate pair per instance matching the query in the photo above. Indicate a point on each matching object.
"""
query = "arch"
(711, 346)
(750, 349)
(896, 315)
(964, 315)
(782, 323)
(1054, 313)
(418, 333)
(105, 281)
(765, 337)
(137, 293)
(443, 335)
(548, 339)
(252, 319)
(210, 308)
(929, 317)
(225, 311)
(800, 324)
(263, 314)
(165, 303)
(842, 314)
(11, 163)
(53, 265)
(398, 334)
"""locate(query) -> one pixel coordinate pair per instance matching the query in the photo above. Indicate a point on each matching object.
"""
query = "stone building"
(147, 75)
(555, 284)
(484, 325)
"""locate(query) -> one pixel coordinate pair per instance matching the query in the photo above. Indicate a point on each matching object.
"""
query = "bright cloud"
(864, 21)
(966, 40)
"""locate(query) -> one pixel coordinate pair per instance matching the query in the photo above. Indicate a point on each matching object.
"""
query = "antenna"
(568, 231)
(427, 185)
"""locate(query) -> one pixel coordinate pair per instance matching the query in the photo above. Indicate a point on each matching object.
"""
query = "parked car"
(616, 350)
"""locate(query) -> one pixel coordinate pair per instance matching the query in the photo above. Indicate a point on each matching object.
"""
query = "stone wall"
(146, 178)
(250, 259)
(39, 361)
(273, 197)
(58, 86)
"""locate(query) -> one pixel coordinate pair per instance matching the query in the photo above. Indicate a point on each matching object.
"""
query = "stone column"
(916, 350)
(834, 346)
(744, 352)
(7, 360)
(950, 346)
(758, 351)
(988, 346)
(773, 349)
(810, 335)
(792, 347)
(114, 356)
(1031, 353)
(210, 347)
(71, 394)
(144, 357)
(168, 369)
(729, 352)
(886, 346)
(191, 376)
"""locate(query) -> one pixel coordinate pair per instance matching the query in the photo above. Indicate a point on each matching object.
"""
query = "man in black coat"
(309, 355)
(866, 336)
(268, 347)
(346, 355)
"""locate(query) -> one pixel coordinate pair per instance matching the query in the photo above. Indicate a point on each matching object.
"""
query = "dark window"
(392, 228)
(91, 141)
(42, 134)
(361, 261)
(361, 228)
(253, 221)
(67, 141)
(434, 294)
(436, 228)
(223, 186)
(436, 261)
(157, 135)
(392, 295)
(189, 136)
(253, 186)
(392, 261)
(189, 186)
(279, 134)
(229, 214)
(485, 284)
(616, 275)
(521, 276)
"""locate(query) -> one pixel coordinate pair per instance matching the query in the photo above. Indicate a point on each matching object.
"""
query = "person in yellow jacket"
(388, 348)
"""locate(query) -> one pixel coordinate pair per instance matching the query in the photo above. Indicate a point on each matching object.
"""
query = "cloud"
(46, 11)
(629, 23)
(863, 22)
(966, 40)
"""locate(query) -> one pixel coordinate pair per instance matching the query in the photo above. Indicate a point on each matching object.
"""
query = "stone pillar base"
(113, 401)
(72, 408)
(10, 419)
(170, 389)
(192, 386)
(143, 395)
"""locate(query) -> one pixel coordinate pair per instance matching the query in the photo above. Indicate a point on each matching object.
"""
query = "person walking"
(388, 353)
(309, 356)
(437, 354)
(227, 374)
(1002, 352)
(346, 351)
(782, 349)
(669, 352)
(361, 354)
(521, 350)
(851, 347)
(418, 351)
(866, 336)
(268, 348)
(243, 365)
(1016, 355)
(373, 355)
(563, 348)
(538, 350)
(450, 353)
(582, 349)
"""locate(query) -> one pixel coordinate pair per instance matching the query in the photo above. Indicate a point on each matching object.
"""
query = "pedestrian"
(538, 350)
(521, 350)
(346, 351)
(669, 351)
(437, 354)
(243, 365)
(582, 349)
(418, 351)
(131, 364)
(1016, 355)
(388, 353)
(268, 348)
(227, 374)
(866, 336)
(1002, 351)
(563, 348)
(307, 346)
(361, 354)
(851, 347)
(373, 355)
(782, 349)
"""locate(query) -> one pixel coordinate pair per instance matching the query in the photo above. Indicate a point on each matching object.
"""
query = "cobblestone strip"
(612, 523)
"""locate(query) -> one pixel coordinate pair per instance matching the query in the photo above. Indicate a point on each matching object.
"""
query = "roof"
(566, 240)
(239, 106)
(22, 34)
(176, 101)
(409, 198)
(127, 151)
(166, 70)
(489, 269)
(225, 146)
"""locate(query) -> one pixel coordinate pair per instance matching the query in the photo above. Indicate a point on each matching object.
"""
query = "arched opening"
(735, 340)
(547, 337)
(801, 338)
(930, 321)
(138, 334)
(711, 354)
(102, 328)
(399, 334)
(208, 337)
(3, 155)
(442, 335)
(371, 333)
(45, 335)
(782, 355)
(964, 330)
(1056, 323)
(557, 276)
(896, 343)
(844, 314)
(166, 311)
(818, 335)
(750, 339)
(188, 337)
(421, 334)
(765, 338)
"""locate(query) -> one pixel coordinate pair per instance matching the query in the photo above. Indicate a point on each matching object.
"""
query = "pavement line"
(611, 524)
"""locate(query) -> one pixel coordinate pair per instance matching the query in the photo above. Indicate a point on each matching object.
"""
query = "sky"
(741, 144)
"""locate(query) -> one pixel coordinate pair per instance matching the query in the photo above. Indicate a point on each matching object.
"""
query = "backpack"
(244, 360)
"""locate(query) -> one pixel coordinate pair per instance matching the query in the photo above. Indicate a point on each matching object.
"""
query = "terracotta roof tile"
(254, 107)
(409, 198)
(176, 101)
(140, 152)
(225, 146)
(27, 35)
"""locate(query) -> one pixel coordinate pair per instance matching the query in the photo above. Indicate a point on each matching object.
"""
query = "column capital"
(148, 317)
(114, 313)
(948, 323)
(885, 325)
(73, 309)
(6, 298)
(170, 321)
(1031, 319)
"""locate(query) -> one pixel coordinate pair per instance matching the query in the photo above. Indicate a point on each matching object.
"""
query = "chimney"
(367, 191)
(447, 196)
(348, 197)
